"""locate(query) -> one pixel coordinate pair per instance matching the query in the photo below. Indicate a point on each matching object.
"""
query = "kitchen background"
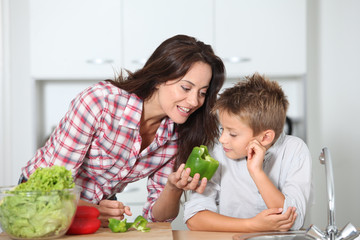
(52, 49)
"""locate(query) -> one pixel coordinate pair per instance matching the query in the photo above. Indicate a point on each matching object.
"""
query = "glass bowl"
(37, 214)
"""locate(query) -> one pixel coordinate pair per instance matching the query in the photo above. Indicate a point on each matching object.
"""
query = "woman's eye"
(232, 135)
(186, 89)
(203, 94)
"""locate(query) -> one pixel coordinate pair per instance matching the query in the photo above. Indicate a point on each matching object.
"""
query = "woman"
(142, 125)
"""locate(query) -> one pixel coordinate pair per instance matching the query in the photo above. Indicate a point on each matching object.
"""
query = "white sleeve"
(208, 200)
(297, 186)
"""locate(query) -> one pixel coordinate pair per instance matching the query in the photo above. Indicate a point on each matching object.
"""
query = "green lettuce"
(43, 206)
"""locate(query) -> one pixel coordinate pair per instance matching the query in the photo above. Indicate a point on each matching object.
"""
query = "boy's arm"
(272, 197)
(267, 220)
(297, 184)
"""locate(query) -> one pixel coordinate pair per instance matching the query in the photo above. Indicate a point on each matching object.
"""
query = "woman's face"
(180, 98)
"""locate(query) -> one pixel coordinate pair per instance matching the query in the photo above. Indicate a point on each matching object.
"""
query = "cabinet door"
(75, 39)
(268, 36)
(148, 23)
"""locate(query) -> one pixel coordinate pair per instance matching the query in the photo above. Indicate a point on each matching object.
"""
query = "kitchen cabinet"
(75, 39)
(94, 39)
(148, 23)
(268, 36)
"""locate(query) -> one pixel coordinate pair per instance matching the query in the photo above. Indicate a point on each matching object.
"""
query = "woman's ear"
(268, 137)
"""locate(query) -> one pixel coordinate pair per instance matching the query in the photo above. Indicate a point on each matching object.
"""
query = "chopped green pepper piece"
(140, 224)
(200, 161)
(123, 226)
(116, 225)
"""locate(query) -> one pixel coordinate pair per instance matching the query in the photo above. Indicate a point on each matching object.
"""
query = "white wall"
(4, 97)
(17, 100)
(334, 104)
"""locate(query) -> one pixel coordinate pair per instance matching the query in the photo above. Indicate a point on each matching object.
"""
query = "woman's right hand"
(181, 180)
(273, 220)
(109, 209)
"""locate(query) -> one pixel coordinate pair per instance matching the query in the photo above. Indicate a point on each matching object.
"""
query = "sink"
(290, 235)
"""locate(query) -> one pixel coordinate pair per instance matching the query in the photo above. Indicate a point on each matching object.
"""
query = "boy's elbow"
(190, 223)
(190, 227)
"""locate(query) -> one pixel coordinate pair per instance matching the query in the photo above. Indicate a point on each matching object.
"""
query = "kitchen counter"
(196, 235)
(159, 231)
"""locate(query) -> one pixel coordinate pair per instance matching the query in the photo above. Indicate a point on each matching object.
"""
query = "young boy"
(263, 181)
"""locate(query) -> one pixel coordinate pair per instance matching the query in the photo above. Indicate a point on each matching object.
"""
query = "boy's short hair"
(257, 101)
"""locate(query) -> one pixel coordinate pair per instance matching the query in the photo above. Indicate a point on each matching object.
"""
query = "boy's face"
(235, 135)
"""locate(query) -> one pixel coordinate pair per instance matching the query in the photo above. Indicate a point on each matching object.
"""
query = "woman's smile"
(184, 110)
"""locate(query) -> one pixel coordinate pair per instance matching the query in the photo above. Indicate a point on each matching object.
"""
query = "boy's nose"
(222, 138)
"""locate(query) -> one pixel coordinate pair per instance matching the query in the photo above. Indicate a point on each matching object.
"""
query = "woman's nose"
(193, 100)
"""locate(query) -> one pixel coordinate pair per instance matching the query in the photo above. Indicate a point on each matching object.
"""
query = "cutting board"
(159, 231)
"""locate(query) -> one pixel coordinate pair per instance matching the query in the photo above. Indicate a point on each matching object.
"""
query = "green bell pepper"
(139, 224)
(200, 161)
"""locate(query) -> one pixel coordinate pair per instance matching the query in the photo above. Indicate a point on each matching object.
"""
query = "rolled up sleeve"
(297, 188)
(156, 184)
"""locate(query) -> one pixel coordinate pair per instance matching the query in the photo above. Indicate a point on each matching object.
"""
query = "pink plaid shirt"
(99, 141)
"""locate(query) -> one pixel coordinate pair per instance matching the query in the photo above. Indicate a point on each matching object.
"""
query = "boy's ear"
(267, 137)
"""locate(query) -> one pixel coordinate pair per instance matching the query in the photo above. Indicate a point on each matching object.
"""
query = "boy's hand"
(273, 220)
(181, 179)
(255, 156)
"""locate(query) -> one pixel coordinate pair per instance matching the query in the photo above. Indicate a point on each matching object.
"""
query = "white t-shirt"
(232, 192)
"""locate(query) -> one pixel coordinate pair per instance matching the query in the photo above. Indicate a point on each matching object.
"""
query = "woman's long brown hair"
(172, 60)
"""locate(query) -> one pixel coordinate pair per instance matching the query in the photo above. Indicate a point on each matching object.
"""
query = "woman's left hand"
(181, 180)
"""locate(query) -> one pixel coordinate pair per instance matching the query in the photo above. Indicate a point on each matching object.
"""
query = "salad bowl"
(37, 214)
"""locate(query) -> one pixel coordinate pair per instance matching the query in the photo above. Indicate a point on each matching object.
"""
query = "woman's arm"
(167, 205)
(267, 220)
(69, 143)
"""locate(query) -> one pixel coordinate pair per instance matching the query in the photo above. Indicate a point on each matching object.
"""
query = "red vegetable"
(87, 212)
(85, 221)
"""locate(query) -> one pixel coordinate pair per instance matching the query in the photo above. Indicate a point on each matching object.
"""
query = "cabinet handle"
(237, 59)
(100, 61)
(139, 61)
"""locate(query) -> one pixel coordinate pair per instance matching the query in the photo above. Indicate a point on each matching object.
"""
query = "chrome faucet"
(331, 233)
